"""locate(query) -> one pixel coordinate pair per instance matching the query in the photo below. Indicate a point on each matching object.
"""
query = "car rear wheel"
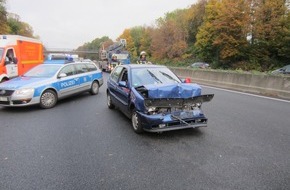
(94, 88)
(136, 124)
(109, 101)
(48, 99)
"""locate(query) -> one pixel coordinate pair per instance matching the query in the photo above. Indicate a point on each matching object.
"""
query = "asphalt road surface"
(81, 144)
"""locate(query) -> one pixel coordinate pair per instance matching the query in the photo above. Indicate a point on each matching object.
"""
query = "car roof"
(132, 66)
(64, 62)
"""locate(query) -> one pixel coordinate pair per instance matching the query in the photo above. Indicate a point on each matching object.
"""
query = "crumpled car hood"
(178, 90)
(177, 102)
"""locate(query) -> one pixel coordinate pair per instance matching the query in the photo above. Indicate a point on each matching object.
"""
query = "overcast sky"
(71, 23)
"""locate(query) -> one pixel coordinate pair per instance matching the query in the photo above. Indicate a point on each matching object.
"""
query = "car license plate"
(3, 99)
(187, 114)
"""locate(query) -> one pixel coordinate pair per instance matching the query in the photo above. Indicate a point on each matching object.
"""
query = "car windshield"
(145, 76)
(1, 53)
(43, 71)
(286, 68)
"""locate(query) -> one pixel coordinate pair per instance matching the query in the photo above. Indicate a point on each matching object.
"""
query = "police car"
(45, 84)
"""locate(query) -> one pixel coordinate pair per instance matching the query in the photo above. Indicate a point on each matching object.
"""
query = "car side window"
(9, 56)
(124, 76)
(68, 70)
(116, 73)
(81, 68)
(91, 67)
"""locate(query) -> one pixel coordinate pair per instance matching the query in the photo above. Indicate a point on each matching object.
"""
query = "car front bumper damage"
(168, 122)
(188, 113)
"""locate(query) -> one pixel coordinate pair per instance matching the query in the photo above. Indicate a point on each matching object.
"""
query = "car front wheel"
(109, 101)
(48, 99)
(136, 124)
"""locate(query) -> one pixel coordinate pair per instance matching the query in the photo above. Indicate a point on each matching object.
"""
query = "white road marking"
(248, 94)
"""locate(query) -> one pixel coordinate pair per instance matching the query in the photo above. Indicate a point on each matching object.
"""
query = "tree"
(146, 40)
(271, 35)
(206, 35)
(194, 18)
(136, 34)
(231, 27)
(169, 39)
(3, 18)
(94, 46)
(17, 27)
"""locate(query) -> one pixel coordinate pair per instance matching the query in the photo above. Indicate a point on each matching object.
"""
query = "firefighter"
(142, 58)
(114, 58)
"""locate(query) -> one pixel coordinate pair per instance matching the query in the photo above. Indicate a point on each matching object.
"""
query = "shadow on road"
(176, 133)
(33, 108)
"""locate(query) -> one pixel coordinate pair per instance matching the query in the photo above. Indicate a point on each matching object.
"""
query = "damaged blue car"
(155, 99)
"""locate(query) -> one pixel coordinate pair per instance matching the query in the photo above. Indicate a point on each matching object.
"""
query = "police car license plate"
(3, 99)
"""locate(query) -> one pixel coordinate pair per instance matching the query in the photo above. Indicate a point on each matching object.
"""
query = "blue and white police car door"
(70, 83)
(84, 78)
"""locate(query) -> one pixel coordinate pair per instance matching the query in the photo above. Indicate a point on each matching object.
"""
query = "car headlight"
(151, 109)
(24, 92)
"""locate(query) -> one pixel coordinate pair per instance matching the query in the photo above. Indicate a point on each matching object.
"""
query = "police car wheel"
(94, 88)
(48, 99)
(109, 101)
(136, 124)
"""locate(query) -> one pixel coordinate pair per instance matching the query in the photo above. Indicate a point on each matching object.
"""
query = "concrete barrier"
(268, 85)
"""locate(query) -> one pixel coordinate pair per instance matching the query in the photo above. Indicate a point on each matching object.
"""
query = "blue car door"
(113, 85)
(123, 92)
(85, 79)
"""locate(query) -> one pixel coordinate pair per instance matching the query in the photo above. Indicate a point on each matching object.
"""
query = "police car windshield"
(145, 76)
(43, 71)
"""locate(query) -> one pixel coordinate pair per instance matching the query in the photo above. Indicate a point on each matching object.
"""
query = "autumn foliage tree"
(169, 39)
(146, 40)
(271, 32)
(3, 18)
(244, 33)
(194, 17)
(234, 34)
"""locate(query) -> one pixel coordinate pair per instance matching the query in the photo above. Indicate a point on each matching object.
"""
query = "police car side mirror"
(62, 75)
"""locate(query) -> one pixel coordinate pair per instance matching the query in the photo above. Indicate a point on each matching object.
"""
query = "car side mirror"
(123, 84)
(62, 75)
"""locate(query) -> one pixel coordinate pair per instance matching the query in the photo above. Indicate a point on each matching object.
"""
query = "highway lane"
(81, 144)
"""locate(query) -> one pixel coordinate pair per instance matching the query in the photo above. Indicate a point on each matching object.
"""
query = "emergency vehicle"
(46, 84)
(18, 54)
